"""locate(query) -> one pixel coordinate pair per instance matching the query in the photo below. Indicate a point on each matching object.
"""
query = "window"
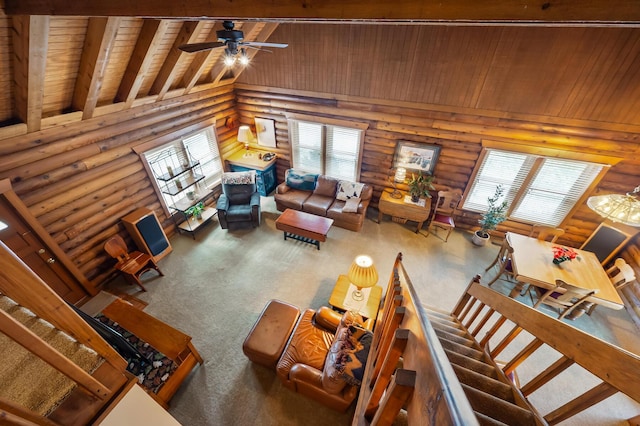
(199, 148)
(538, 189)
(326, 148)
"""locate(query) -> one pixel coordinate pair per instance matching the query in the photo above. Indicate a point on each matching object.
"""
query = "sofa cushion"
(351, 205)
(348, 190)
(301, 180)
(317, 204)
(326, 186)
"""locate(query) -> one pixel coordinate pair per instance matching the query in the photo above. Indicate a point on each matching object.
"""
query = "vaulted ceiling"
(65, 61)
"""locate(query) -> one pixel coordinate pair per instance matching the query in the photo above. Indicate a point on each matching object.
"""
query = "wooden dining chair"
(504, 262)
(131, 264)
(446, 205)
(564, 297)
(546, 233)
(620, 274)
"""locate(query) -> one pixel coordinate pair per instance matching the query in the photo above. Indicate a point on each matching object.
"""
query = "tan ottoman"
(266, 340)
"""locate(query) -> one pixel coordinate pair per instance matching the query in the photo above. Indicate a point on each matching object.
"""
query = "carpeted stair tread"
(448, 328)
(478, 366)
(461, 349)
(462, 340)
(488, 421)
(497, 408)
(26, 379)
(484, 383)
(434, 312)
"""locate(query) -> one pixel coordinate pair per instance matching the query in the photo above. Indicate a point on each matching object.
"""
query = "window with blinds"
(327, 149)
(538, 189)
(200, 148)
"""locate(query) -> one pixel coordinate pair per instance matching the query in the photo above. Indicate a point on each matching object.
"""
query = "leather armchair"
(308, 363)
(239, 204)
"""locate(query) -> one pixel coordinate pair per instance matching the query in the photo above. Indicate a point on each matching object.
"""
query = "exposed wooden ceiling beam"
(101, 33)
(30, 45)
(612, 11)
(141, 58)
(188, 34)
(200, 59)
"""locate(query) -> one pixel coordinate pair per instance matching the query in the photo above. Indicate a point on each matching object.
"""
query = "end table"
(341, 298)
(397, 207)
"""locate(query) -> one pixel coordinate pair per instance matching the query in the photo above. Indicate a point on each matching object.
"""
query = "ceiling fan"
(230, 39)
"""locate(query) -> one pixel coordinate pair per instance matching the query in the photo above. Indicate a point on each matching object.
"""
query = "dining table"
(532, 263)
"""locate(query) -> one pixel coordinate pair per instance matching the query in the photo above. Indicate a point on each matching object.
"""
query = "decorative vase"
(415, 198)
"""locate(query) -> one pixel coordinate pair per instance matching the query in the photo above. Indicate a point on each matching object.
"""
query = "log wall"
(460, 133)
(79, 179)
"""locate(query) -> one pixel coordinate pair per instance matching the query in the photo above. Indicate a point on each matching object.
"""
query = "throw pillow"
(239, 178)
(351, 205)
(348, 190)
(301, 180)
(351, 360)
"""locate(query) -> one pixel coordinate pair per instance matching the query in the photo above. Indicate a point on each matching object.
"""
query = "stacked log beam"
(79, 178)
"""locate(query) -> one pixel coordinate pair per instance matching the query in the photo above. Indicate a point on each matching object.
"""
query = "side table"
(397, 208)
(341, 298)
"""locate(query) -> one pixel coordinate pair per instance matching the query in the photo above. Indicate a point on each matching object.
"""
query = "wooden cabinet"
(265, 170)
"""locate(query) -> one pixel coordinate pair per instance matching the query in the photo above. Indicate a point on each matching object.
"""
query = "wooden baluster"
(397, 395)
(388, 367)
(507, 339)
(493, 331)
(522, 355)
(556, 368)
(385, 342)
(482, 322)
(584, 401)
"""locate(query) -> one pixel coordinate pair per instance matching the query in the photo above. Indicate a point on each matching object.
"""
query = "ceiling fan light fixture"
(229, 59)
(244, 59)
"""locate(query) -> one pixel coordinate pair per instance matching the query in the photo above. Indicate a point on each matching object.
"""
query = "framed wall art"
(416, 156)
(266, 131)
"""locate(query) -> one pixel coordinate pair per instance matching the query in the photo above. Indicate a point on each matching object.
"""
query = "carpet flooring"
(216, 285)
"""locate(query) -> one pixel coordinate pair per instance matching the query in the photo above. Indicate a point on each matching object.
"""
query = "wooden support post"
(388, 367)
(397, 395)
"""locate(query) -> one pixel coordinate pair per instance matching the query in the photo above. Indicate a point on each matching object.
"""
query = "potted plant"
(496, 213)
(419, 186)
(196, 210)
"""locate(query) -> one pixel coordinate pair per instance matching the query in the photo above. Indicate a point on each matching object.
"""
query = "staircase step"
(462, 340)
(488, 421)
(497, 408)
(484, 383)
(448, 328)
(440, 314)
(472, 364)
(461, 349)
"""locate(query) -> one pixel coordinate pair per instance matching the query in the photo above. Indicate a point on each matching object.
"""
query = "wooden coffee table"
(304, 227)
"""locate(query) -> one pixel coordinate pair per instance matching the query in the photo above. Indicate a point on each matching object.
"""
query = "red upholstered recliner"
(313, 360)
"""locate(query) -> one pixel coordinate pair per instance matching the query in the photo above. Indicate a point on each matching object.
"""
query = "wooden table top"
(532, 261)
(341, 292)
(305, 221)
(397, 207)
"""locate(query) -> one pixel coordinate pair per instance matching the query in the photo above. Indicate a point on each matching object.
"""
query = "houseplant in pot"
(196, 210)
(496, 213)
(420, 186)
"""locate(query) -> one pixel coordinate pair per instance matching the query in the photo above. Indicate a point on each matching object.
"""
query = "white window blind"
(538, 189)
(327, 149)
(307, 146)
(557, 186)
(343, 150)
(202, 147)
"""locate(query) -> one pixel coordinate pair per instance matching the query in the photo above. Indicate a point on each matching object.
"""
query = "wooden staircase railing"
(428, 366)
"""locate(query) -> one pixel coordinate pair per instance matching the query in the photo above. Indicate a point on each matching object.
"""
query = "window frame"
(148, 149)
(542, 153)
(326, 123)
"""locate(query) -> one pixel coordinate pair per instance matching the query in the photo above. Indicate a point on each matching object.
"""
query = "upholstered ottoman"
(266, 340)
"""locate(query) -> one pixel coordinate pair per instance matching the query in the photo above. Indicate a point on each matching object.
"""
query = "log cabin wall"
(79, 179)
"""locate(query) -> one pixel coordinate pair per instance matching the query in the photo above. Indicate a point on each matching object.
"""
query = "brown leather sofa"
(322, 201)
(309, 363)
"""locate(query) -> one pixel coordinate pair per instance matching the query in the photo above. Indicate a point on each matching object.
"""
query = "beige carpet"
(216, 285)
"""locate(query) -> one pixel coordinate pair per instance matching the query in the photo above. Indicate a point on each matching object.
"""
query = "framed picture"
(266, 131)
(416, 156)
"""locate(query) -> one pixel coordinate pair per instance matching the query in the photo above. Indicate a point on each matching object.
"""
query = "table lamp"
(245, 136)
(362, 274)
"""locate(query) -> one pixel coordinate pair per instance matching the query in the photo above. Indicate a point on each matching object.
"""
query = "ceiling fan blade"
(261, 44)
(197, 47)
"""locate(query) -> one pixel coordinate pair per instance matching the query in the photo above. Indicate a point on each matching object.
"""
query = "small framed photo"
(416, 156)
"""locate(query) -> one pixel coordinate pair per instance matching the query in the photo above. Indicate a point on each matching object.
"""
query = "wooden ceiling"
(66, 60)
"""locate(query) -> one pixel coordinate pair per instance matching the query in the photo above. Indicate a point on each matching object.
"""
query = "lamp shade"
(362, 272)
(244, 134)
(617, 207)
(401, 174)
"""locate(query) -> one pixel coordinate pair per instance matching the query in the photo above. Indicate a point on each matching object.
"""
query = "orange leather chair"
(131, 264)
